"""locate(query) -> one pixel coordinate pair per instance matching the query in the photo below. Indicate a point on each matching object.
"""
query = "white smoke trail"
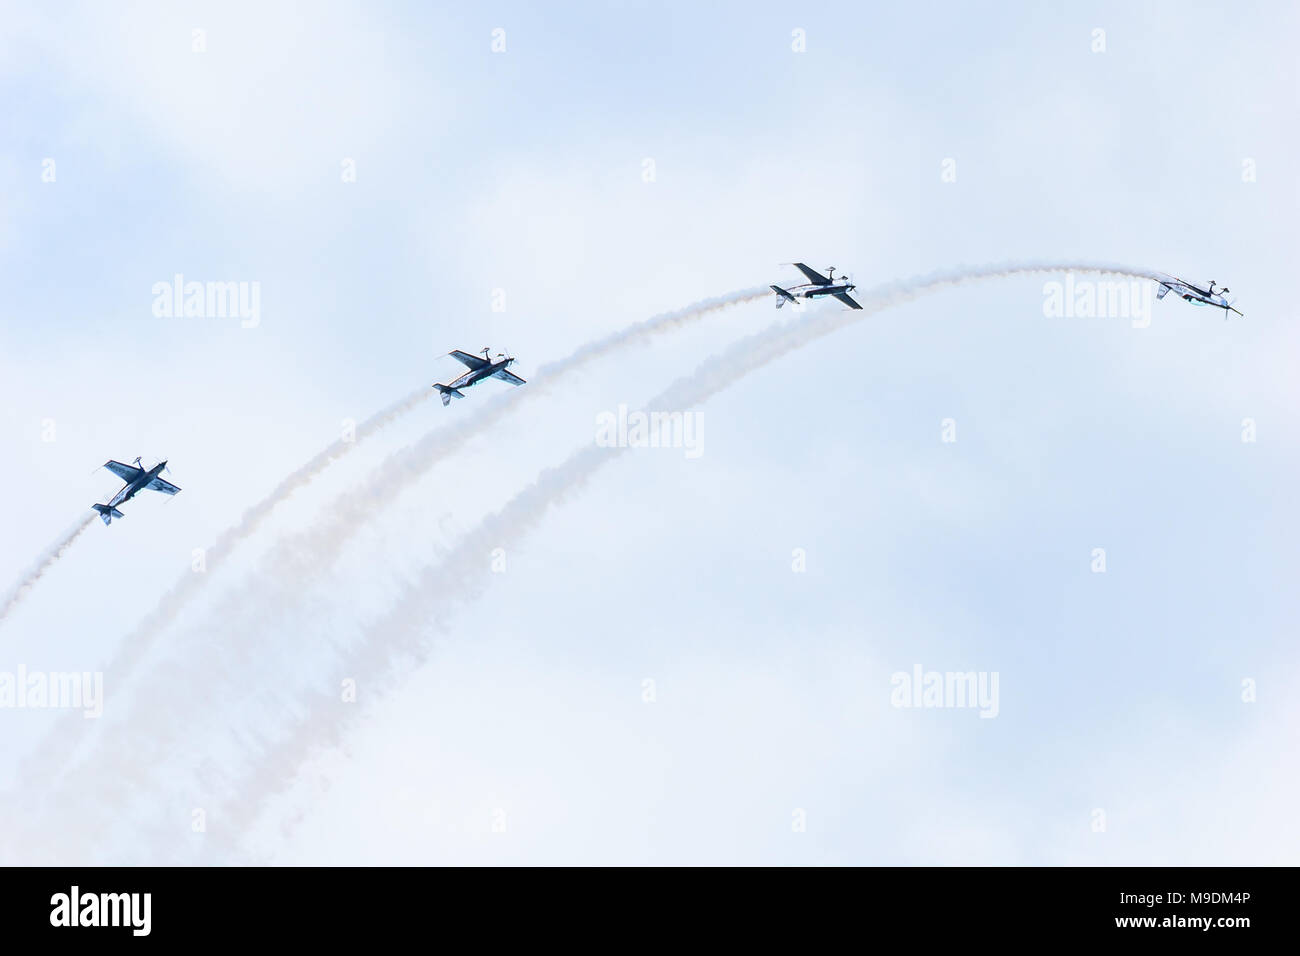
(452, 579)
(318, 546)
(316, 720)
(399, 636)
(43, 564)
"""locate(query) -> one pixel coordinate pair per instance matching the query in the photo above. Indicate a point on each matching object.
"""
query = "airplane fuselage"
(131, 487)
(478, 374)
(814, 291)
(1196, 295)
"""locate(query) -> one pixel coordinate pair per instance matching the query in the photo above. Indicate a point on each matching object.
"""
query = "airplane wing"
(125, 472)
(464, 358)
(1184, 286)
(815, 277)
(507, 376)
(166, 487)
(846, 299)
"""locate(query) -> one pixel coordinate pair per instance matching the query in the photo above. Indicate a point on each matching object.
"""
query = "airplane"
(136, 477)
(479, 369)
(817, 285)
(1196, 295)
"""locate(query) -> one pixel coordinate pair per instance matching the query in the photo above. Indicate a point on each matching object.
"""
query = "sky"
(481, 637)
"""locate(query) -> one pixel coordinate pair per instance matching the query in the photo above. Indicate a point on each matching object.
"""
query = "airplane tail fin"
(447, 392)
(108, 513)
(782, 296)
(1164, 291)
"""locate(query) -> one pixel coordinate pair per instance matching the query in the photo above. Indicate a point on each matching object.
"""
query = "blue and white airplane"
(479, 369)
(1190, 292)
(816, 286)
(136, 477)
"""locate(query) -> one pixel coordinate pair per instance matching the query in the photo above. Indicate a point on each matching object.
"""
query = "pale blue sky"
(522, 171)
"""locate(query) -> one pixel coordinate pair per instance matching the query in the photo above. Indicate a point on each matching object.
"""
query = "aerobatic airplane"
(136, 478)
(817, 285)
(479, 369)
(1196, 295)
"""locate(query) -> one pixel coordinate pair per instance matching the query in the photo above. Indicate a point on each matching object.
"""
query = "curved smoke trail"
(400, 634)
(317, 720)
(43, 564)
